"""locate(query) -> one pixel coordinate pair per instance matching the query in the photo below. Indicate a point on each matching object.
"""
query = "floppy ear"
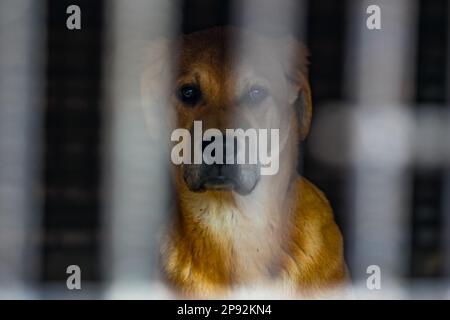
(156, 89)
(296, 70)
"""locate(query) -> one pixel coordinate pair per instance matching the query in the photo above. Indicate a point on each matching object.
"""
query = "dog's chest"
(255, 252)
(249, 239)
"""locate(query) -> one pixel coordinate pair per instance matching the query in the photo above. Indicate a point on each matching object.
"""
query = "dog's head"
(225, 78)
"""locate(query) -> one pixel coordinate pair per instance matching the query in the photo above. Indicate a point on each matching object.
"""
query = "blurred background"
(76, 186)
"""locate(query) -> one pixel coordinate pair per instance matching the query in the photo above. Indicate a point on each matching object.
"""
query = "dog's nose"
(213, 153)
(222, 173)
(230, 144)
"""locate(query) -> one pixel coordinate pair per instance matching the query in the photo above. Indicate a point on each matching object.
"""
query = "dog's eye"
(256, 95)
(189, 94)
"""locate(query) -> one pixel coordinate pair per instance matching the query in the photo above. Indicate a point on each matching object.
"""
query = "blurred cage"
(76, 186)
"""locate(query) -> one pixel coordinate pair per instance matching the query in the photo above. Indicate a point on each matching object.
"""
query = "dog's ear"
(296, 70)
(156, 82)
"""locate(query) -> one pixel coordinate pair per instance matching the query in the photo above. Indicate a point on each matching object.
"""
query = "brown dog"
(232, 226)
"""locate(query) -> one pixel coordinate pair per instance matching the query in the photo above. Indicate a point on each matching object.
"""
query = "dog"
(232, 227)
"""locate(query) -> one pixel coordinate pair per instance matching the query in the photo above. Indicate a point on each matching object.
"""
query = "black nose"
(220, 174)
(213, 153)
(224, 148)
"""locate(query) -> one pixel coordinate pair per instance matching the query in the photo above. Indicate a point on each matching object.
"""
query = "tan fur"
(281, 235)
(215, 248)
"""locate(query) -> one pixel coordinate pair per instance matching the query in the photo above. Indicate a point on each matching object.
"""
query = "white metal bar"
(21, 65)
(379, 78)
(135, 180)
(285, 17)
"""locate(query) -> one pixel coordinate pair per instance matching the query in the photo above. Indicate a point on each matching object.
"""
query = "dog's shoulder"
(316, 245)
(313, 213)
(312, 200)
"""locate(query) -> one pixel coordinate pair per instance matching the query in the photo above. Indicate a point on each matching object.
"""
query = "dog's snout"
(222, 171)
(221, 176)
(228, 146)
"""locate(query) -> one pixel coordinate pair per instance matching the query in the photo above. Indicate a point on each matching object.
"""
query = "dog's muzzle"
(241, 178)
